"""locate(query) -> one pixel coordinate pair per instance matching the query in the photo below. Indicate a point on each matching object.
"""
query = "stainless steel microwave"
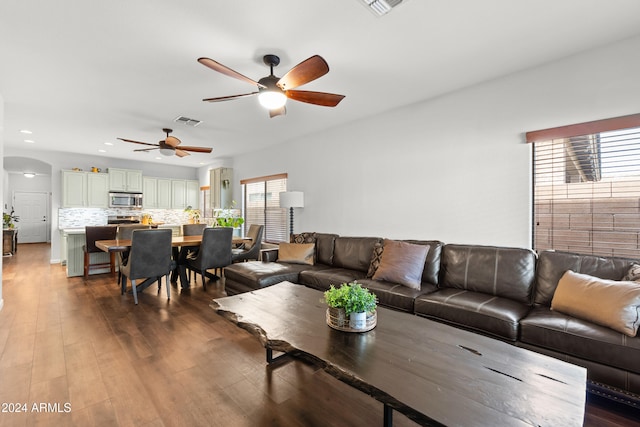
(125, 200)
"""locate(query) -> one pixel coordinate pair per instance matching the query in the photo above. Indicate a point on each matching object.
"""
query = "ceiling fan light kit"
(273, 91)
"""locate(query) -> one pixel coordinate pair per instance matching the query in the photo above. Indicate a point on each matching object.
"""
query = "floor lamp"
(291, 199)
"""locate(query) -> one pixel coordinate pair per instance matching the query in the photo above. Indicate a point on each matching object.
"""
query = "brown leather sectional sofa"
(501, 292)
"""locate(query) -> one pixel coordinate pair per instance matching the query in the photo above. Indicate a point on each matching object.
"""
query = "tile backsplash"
(81, 217)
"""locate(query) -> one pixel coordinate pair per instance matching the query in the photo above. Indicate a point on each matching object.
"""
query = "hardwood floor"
(85, 355)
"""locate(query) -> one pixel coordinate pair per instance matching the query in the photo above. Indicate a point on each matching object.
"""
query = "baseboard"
(54, 261)
(1, 303)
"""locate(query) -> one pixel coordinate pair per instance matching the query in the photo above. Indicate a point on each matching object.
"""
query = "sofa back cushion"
(354, 253)
(499, 271)
(324, 245)
(552, 265)
(431, 271)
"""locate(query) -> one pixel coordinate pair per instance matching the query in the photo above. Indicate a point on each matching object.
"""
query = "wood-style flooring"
(76, 352)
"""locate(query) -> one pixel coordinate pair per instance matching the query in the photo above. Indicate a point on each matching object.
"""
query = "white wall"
(455, 168)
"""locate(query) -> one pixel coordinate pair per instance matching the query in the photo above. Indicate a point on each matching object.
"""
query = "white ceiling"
(79, 73)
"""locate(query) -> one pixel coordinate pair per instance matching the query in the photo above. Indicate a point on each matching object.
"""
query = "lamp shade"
(292, 199)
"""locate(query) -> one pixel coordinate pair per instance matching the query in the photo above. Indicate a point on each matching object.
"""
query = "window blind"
(261, 205)
(587, 190)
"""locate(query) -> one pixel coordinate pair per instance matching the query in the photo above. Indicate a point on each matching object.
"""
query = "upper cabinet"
(221, 192)
(156, 193)
(84, 189)
(184, 193)
(125, 180)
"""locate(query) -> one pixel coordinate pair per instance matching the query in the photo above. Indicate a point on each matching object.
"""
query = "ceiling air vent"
(381, 7)
(187, 121)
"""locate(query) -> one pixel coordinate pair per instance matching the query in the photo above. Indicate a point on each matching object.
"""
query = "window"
(261, 205)
(586, 187)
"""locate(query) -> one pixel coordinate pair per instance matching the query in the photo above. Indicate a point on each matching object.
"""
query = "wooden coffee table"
(433, 373)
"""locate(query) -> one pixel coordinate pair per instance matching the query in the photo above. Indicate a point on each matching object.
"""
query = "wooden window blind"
(586, 187)
(261, 205)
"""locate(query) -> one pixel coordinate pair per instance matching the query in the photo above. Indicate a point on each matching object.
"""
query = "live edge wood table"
(433, 373)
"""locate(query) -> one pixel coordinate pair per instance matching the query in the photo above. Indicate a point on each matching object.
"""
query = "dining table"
(122, 245)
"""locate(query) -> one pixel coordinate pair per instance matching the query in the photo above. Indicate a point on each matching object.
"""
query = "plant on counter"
(229, 216)
(352, 297)
(8, 219)
(194, 214)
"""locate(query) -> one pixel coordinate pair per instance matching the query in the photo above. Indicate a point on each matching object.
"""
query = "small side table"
(9, 241)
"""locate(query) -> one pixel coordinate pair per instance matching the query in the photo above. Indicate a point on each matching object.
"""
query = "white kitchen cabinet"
(149, 192)
(97, 190)
(84, 189)
(74, 189)
(156, 193)
(220, 191)
(164, 193)
(192, 196)
(125, 180)
(185, 193)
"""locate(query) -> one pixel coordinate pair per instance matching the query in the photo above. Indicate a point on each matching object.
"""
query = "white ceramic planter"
(358, 320)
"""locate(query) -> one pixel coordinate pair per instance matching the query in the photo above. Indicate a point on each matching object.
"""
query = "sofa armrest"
(269, 255)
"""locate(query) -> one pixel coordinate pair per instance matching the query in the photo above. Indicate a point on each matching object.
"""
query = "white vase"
(358, 320)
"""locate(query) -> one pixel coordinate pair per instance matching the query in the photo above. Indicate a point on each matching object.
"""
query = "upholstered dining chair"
(214, 253)
(189, 251)
(250, 250)
(150, 257)
(93, 233)
(124, 233)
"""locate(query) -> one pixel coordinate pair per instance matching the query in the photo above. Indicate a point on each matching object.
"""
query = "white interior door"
(32, 210)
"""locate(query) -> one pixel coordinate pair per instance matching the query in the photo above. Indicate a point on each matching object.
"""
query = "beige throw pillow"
(296, 253)
(605, 302)
(402, 263)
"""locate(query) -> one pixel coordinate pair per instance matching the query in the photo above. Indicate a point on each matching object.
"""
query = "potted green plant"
(229, 216)
(8, 219)
(350, 305)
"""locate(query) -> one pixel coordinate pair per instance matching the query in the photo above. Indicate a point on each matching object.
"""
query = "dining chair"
(93, 233)
(124, 233)
(189, 251)
(250, 250)
(150, 257)
(214, 253)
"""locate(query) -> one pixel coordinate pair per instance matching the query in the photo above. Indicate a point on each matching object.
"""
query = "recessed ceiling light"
(108, 143)
(29, 174)
(158, 158)
(102, 151)
(25, 131)
(30, 141)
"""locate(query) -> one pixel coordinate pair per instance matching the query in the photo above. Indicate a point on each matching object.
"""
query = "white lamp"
(291, 199)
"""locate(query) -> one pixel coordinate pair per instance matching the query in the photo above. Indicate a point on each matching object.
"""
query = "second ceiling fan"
(273, 91)
(169, 146)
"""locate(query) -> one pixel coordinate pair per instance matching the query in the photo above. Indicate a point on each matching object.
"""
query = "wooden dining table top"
(121, 245)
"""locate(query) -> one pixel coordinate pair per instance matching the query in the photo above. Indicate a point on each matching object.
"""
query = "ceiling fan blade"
(172, 141)
(147, 149)
(136, 142)
(216, 66)
(278, 112)
(317, 98)
(305, 72)
(181, 153)
(230, 97)
(195, 149)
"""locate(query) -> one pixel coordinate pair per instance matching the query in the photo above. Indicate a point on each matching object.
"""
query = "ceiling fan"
(273, 91)
(170, 146)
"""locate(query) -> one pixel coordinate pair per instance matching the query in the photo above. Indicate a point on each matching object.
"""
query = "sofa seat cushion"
(258, 274)
(560, 332)
(323, 278)
(394, 295)
(488, 314)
